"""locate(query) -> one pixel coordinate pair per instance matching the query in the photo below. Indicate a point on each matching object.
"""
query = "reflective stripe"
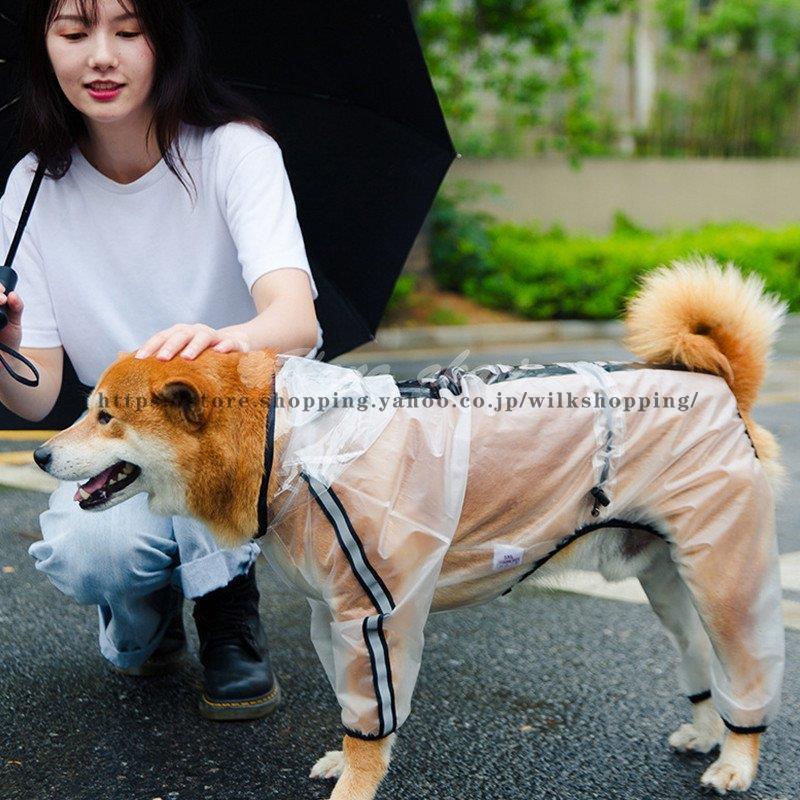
(372, 627)
(381, 675)
(351, 544)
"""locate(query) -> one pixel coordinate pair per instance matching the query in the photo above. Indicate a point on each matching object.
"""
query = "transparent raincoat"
(391, 500)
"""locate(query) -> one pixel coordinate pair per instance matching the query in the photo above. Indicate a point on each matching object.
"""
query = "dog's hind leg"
(672, 603)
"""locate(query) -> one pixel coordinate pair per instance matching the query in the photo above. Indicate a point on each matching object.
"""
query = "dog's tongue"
(95, 483)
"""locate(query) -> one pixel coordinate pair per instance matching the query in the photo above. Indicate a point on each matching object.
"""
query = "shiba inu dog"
(384, 512)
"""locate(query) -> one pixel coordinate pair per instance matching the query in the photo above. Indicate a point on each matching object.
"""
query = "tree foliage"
(530, 55)
(767, 28)
(748, 54)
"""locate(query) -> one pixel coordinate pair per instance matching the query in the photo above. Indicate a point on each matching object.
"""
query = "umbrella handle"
(26, 211)
(9, 280)
(7, 275)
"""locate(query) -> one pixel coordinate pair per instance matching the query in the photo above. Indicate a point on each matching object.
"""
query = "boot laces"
(225, 616)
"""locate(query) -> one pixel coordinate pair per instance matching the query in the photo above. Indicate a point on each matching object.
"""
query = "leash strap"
(20, 378)
(12, 251)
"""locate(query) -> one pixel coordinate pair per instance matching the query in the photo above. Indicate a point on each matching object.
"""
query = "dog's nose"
(42, 457)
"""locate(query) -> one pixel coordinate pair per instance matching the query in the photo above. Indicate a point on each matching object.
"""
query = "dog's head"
(190, 433)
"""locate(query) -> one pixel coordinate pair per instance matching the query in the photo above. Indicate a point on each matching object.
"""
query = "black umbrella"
(346, 90)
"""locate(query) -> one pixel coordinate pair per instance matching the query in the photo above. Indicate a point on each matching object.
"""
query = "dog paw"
(329, 767)
(728, 776)
(692, 739)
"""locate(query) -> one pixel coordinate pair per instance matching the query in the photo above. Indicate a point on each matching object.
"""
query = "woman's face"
(115, 50)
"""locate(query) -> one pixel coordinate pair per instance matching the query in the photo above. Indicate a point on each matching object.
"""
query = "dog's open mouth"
(101, 487)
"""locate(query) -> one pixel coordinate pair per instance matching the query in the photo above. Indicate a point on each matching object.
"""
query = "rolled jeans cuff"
(126, 658)
(215, 570)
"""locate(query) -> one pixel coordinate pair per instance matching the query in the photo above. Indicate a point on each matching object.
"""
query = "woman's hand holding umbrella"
(11, 303)
(11, 306)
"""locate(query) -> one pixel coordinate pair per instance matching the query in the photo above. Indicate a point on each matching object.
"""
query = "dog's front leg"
(360, 766)
(736, 766)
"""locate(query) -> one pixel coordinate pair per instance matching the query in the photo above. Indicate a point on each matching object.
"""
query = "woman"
(127, 249)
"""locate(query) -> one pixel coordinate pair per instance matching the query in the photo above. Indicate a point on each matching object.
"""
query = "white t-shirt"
(103, 266)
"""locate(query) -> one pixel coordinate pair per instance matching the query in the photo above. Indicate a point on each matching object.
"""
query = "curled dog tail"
(711, 318)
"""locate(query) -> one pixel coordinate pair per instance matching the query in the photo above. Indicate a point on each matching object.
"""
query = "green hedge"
(549, 274)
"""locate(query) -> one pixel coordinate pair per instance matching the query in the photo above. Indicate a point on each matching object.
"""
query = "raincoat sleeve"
(369, 631)
(375, 548)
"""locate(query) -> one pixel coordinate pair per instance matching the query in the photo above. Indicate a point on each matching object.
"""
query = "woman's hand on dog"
(191, 340)
(11, 335)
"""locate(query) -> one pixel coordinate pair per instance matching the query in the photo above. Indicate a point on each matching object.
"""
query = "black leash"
(8, 278)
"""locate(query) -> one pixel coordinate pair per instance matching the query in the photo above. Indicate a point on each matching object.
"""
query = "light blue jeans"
(126, 560)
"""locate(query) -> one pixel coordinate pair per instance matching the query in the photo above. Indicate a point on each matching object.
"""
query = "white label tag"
(507, 556)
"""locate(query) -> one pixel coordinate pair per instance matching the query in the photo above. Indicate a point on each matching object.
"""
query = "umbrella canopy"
(10, 79)
(345, 88)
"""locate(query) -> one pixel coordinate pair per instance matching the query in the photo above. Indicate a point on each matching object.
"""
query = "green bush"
(401, 294)
(459, 242)
(446, 316)
(551, 275)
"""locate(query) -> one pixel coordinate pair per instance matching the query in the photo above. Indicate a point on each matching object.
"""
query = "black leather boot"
(238, 682)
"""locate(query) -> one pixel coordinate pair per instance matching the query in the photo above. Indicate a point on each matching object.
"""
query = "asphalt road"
(537, 695)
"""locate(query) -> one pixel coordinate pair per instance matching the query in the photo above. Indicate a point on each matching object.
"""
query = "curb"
(505, 334)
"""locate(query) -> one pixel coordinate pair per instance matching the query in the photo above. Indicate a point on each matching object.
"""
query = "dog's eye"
(104, 417)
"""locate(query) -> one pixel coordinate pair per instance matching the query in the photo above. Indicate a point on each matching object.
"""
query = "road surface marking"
(593, 584)
(16, 457)
(26, 436)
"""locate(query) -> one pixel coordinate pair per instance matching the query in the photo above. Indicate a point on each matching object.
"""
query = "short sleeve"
(39, 328)
(261, 214)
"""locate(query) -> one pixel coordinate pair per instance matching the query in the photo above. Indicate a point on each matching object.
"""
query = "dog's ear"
(185, 398)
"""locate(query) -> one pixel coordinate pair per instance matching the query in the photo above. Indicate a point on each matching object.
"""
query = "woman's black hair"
(183, 90)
